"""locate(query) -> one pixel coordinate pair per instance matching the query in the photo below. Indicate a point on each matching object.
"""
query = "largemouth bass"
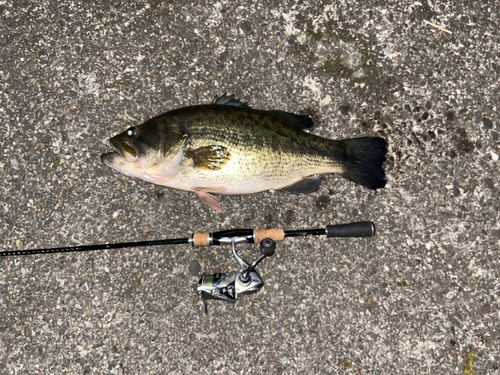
(229, 148)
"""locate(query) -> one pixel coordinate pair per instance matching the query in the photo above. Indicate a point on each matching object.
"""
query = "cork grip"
(200, 239)
(274, 234)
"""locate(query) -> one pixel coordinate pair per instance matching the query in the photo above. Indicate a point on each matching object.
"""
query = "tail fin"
(365, 157)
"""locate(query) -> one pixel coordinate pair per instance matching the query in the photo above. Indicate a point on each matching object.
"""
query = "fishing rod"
(227, 286)
(200, 239)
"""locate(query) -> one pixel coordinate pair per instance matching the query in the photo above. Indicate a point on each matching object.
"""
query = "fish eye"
(132, 131)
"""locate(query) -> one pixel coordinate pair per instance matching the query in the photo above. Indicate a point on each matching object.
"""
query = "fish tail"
(365, 157)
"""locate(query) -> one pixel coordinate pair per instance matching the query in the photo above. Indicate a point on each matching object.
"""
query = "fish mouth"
(125, 150)
(122, 154)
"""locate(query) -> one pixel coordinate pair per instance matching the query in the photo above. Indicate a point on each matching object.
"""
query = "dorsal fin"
(298, 121)
(229, 100)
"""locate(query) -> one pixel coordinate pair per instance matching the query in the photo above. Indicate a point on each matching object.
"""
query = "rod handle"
(359, 229)
(257, 235)
(200, 239)
(274, 234)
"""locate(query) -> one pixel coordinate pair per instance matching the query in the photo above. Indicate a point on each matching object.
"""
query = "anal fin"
(306, 186)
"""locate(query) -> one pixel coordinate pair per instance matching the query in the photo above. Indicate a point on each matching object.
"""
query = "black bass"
(229, 148)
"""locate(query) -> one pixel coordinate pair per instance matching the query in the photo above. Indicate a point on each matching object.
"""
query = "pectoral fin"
(211, 157)
(306, 186)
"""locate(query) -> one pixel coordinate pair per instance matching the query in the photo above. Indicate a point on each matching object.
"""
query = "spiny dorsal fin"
(211, 157)
(306, 186)
(229, 100)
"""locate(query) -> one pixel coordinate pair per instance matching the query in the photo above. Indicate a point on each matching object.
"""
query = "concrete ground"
(422, 296)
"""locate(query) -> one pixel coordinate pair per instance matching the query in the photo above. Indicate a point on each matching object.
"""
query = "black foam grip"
(359, 229)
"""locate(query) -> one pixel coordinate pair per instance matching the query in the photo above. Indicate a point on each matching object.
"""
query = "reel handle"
(267, 247)
(359, 229)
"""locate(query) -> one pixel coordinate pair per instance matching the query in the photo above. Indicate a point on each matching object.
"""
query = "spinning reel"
(231, 285)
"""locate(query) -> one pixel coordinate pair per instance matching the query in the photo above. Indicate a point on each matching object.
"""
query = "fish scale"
(229, 148)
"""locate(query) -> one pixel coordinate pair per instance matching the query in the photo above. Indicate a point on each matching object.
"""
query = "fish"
(227, 147)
